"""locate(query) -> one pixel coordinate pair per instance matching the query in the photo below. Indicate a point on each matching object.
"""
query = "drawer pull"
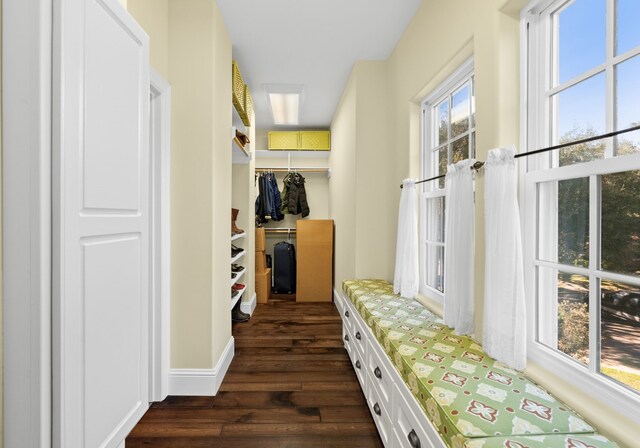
(414, 440)
(346, 337)
(358, 337)
(376, 409)
(378, 373)
(346, 313)
(358, 365)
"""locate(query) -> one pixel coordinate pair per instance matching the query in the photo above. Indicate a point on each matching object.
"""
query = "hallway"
(290, 384)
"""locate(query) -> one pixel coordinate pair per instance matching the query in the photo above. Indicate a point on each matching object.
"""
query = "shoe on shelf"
(236, 268)
(234, 229)
(238, 287)
(238, 315)
(236, 251)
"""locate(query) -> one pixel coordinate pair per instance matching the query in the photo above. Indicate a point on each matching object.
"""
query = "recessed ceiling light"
(284, 102)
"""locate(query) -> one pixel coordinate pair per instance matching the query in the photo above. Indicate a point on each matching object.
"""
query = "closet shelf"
(237, 277)
(237, 257)
(235, 299)
(238, 236)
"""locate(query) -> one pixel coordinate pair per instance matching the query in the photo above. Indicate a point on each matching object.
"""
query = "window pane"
(581, 37)
(443, 122)
(628, 103)
(435, 267)
(473, 102)
(621, 222)
(460, 109)
(460, 149)
(627, 35)
(620, 329)
(435, 219)
(563, 221)
(581, 114)
(443, 160)
(564, 313)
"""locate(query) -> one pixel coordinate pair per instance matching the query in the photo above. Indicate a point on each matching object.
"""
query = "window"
(582, 203)
(448, 137)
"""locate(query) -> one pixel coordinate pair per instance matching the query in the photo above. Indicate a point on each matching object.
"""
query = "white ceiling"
(310, 42)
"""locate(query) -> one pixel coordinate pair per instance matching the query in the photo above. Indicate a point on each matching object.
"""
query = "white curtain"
(504, 307)
(459, 247)
(406, 280)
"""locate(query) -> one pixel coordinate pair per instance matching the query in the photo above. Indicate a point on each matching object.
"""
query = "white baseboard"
(202, 382)
(249, 306)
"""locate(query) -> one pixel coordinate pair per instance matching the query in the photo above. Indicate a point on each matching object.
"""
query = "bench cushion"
(466, 394)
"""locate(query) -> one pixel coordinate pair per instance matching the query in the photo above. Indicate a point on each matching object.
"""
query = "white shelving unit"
(234, 300)
(238, 153)
(235, 279)
(237, 257)
(238, 236)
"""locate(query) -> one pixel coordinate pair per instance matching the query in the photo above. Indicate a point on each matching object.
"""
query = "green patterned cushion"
(470, 398)
(546, 441)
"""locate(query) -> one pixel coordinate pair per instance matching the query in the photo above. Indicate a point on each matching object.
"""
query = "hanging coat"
(276, 203)
(297, 199)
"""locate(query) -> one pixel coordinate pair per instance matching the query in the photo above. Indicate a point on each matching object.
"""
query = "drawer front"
(411, 431)
(359, 336)
(380, 415)
(346, 339)
(347, 315)
(378, 371)
(360, 367)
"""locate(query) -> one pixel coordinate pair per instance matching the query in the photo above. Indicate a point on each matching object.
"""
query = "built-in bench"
(427, 387)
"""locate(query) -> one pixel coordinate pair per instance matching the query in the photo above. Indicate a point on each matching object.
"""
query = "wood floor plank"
(290, 385)
(232, 415)
(299, 429)
(372, 441)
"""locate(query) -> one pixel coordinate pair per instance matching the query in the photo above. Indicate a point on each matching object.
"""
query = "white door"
(101, 245)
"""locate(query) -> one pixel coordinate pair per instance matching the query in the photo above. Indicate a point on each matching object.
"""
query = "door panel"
(101, 224)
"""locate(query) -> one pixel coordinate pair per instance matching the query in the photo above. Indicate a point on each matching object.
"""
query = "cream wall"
(153, 17)
(190, 47)
(342, 197)
(441, 36)
(1, 261)
(360, 194)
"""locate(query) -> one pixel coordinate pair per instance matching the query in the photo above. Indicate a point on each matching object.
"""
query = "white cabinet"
(400, 420)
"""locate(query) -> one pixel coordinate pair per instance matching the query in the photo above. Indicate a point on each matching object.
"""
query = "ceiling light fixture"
(284, 103)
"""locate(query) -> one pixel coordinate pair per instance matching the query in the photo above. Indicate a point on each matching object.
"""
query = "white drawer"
(346, 339)
(360, 335)
(379, 373)
(380, 415)
(411, 431)
(359, 366)
(347, 313)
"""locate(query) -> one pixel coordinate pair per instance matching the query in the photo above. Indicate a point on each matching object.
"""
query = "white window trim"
(606, 392)
(426, 191)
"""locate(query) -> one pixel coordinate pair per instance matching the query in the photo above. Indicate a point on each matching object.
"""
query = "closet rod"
(288, 170)
(476, 166)
(280, 230)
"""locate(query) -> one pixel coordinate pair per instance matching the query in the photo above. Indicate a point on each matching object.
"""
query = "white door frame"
(160, 272)
(27, 71)
(26, 225)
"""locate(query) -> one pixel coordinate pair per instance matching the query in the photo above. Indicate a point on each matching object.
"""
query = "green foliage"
(573, 330)
(620, 222)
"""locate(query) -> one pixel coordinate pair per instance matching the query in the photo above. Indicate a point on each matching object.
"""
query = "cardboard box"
(314, 260)
(261, 261)
(263, 285)
(261, 240)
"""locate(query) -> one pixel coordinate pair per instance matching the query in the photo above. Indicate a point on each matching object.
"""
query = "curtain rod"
(476, 166)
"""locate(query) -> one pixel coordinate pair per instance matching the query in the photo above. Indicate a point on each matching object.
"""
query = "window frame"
(428, 190)
(536, 124)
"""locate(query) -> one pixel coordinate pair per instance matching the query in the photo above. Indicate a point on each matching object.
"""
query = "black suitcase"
(284, 268)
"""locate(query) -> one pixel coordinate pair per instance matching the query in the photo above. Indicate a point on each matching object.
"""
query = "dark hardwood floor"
(290, 385)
